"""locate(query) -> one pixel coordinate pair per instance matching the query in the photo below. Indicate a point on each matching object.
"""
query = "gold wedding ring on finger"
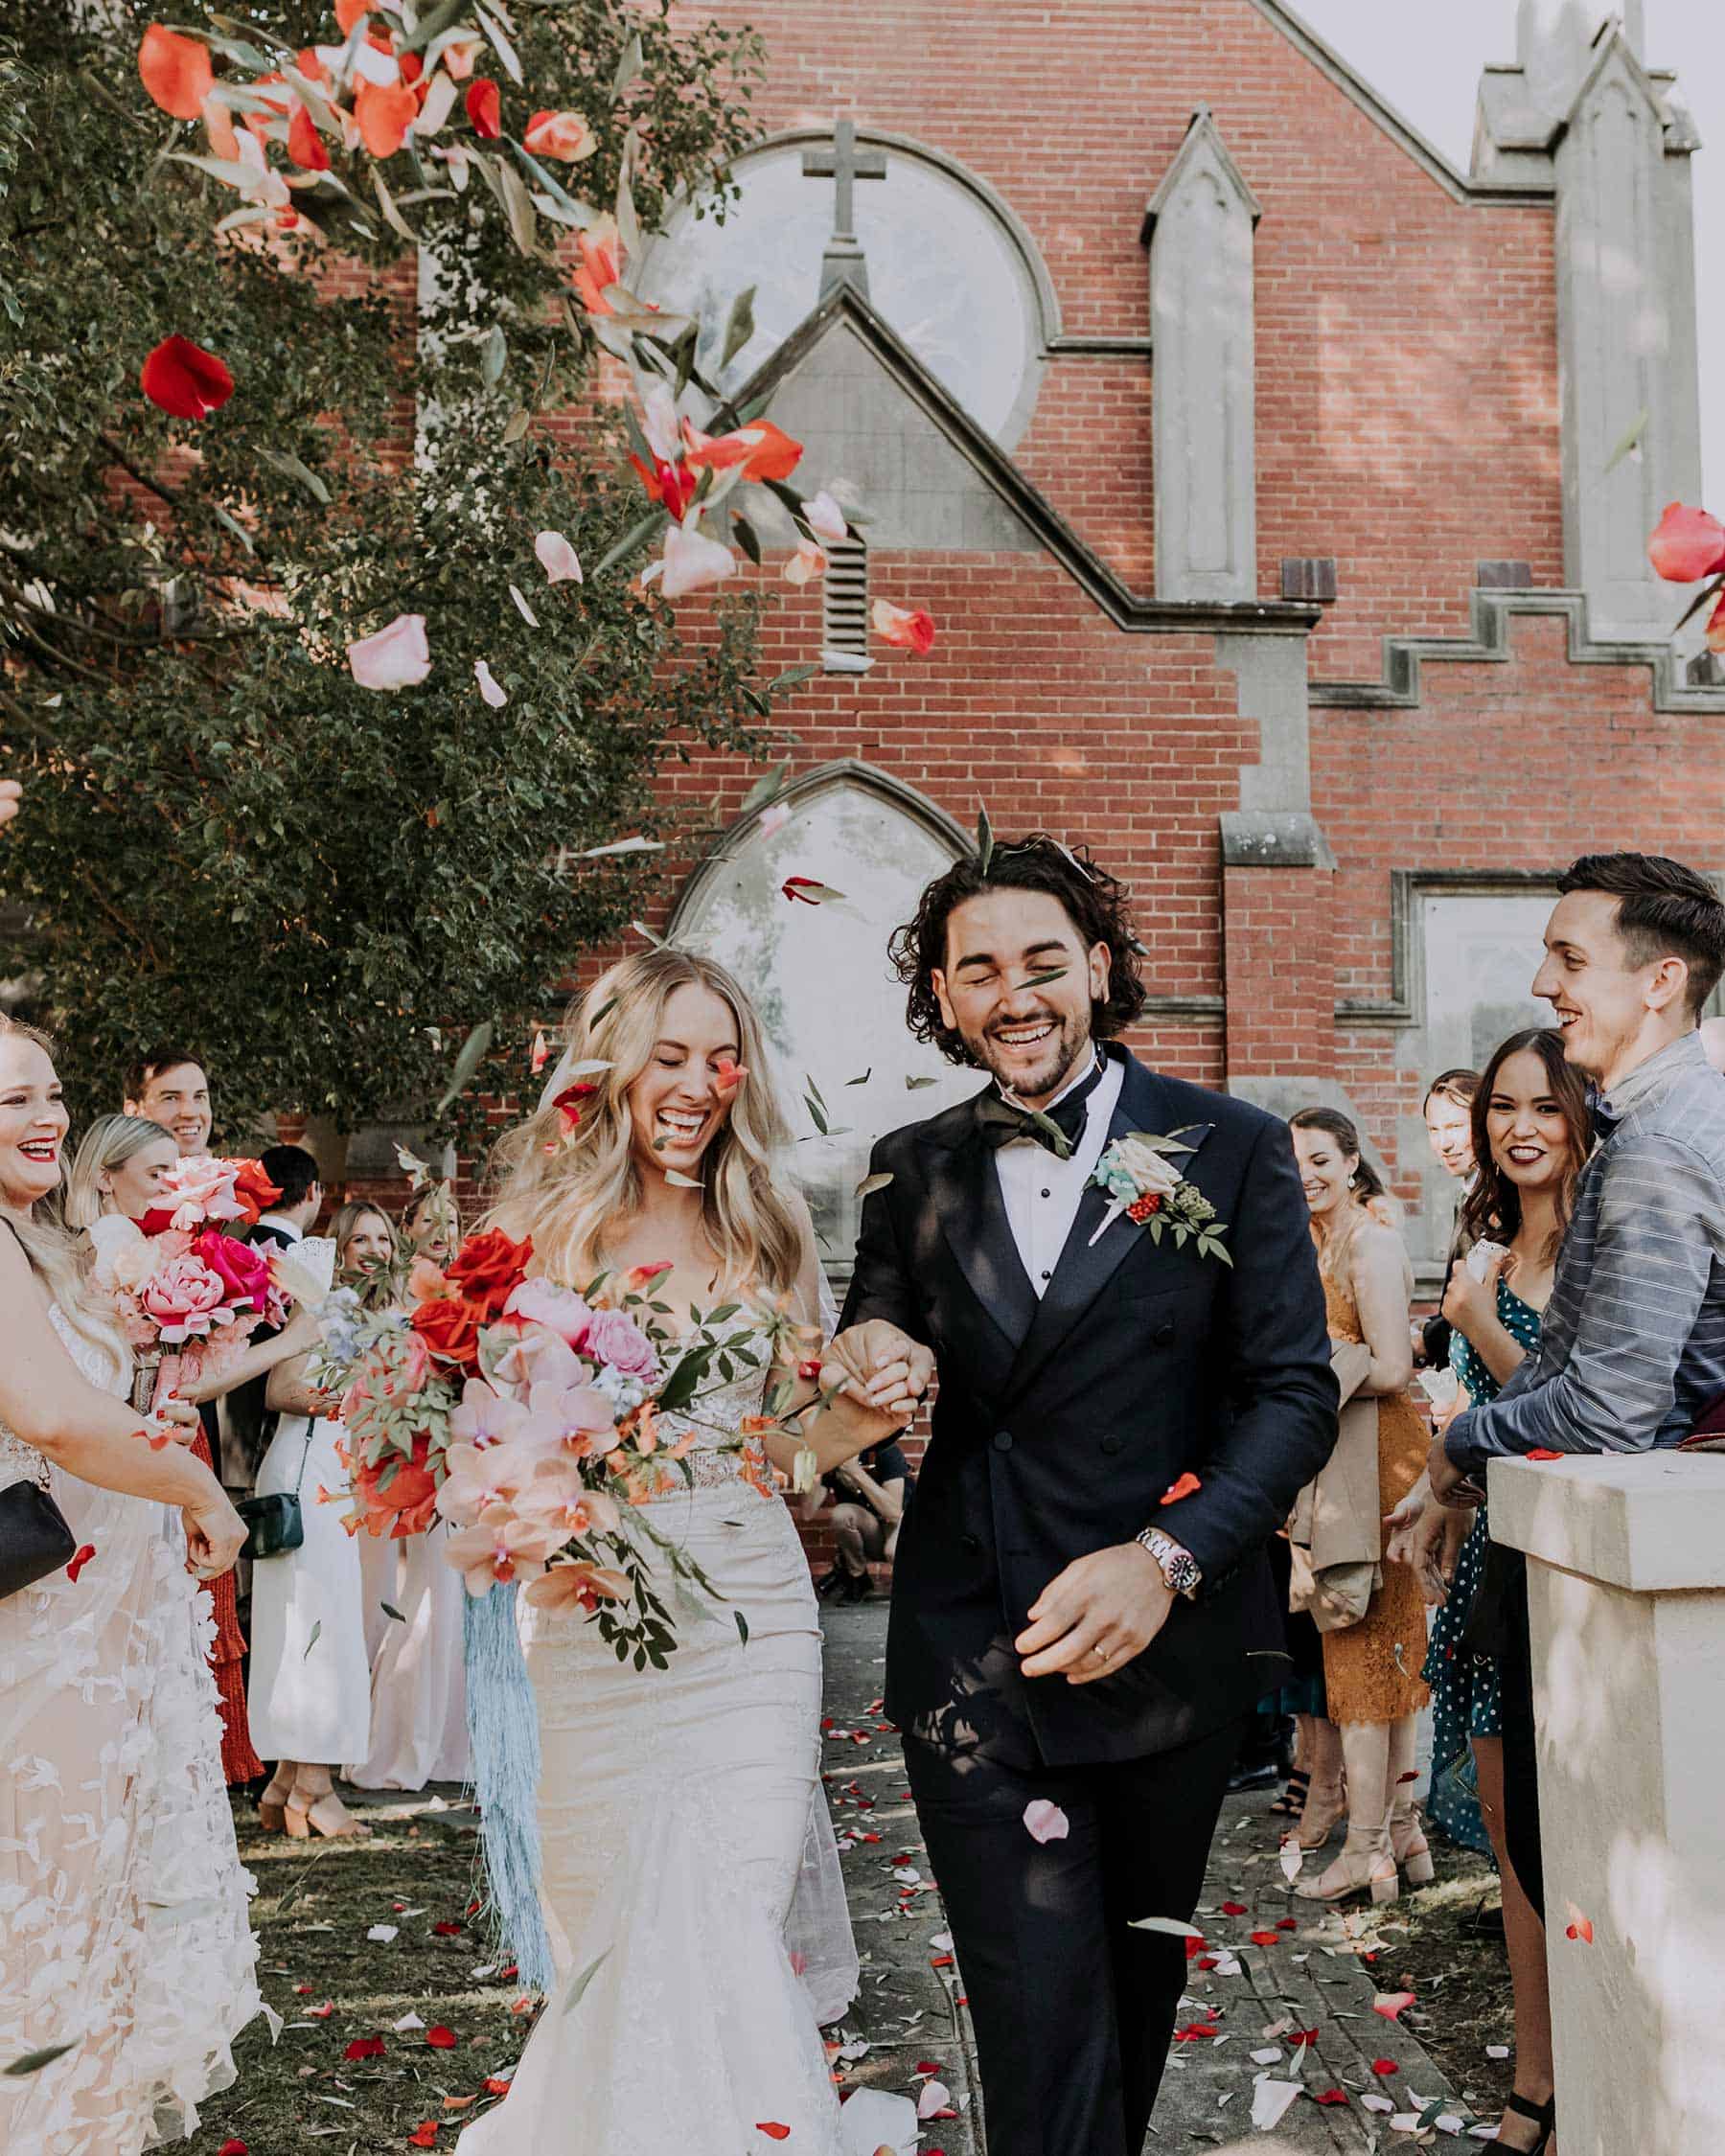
(1102, 1653)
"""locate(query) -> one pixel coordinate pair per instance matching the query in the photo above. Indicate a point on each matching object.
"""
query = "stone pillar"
(1626, 1578)
(1555, 39)
(1626, 338)
(1198, 226)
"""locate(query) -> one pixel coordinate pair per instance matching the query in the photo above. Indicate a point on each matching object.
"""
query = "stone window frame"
(1404, 1007)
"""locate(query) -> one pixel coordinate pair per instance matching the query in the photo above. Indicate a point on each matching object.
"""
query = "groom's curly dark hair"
(1096, 902)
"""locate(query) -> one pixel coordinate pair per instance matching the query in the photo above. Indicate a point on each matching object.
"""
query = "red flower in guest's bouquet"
(242, 1268)
(451, 1329)
(489, 1269)
(253, 1191)
(396, 1494)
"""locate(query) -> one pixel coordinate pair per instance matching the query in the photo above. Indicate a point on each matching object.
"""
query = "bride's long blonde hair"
(57, 1257)
(568, 1192)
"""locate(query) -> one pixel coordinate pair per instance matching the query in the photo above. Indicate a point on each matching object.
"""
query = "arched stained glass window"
(833, 1007)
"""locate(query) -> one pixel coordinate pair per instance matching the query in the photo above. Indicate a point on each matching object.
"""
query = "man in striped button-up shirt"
(1633, 1344)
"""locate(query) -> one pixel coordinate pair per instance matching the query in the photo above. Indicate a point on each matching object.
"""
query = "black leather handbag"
(34, 1538)
(276, 1522)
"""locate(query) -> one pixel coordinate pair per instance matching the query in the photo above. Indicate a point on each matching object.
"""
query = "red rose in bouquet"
(488, 1271)
(242, 1269)
(396, 1494)
(451, 1329)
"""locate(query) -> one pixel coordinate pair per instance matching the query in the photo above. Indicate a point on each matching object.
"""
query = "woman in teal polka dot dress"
(1532, 1137)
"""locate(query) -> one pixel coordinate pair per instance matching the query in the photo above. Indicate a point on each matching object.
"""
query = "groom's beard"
(1065, 1050)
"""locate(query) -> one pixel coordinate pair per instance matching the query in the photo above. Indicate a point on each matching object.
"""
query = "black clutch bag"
(275, 1523)
(34, 1538)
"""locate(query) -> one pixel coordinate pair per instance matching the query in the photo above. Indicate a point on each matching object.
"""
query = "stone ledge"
(1650, 1523)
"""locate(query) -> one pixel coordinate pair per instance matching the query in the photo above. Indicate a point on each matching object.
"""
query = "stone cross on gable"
(843, 263)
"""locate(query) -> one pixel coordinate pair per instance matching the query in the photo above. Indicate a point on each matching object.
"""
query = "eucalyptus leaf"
(984, 840)
(474, 1050)
(869, 1184)
(739, 326)
(316, 1635)
(494, 355)
(765, 788)
(33, 2062)
(500, 44)
(290, 467)
(742, 1626)
(628, 66)
(747, 537)
(389, 1610)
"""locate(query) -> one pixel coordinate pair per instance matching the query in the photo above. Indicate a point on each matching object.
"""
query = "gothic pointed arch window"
(833, 1007)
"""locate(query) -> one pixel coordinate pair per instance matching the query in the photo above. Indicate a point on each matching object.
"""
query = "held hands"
(214, 1534)
(885, 1370)
(1095, 1616)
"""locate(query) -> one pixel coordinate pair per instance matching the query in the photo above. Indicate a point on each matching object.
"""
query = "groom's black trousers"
(1072, 2008)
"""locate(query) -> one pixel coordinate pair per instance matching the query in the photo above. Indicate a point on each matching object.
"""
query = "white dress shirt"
(1042, 1194)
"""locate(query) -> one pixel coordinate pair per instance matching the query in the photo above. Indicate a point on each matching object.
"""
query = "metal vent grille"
(844, 608)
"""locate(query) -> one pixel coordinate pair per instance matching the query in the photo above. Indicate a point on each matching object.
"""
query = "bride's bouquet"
(529, 1418)
(189, 1291)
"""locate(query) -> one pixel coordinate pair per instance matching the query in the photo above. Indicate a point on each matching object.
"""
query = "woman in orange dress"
(1372, 1670)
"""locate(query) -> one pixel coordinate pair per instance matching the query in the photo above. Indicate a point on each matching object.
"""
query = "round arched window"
(832, 1005)
(945, 269)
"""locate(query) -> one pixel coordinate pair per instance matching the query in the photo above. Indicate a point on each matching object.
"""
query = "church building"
(1281, 495)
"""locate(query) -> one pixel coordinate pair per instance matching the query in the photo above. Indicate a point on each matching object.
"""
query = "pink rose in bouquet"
(242, 1269)
(194, 1192)
(616, 1339)
(560, 1310)
(183, 1298)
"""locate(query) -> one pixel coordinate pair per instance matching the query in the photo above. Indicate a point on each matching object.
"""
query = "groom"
(1082, 1611)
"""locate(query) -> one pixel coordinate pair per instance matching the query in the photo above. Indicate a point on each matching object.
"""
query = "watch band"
(1179, 1567)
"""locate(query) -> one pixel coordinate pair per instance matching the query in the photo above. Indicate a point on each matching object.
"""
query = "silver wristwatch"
(1179, 1567)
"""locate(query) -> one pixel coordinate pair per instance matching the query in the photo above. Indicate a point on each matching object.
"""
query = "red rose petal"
(1303, 2036)
(1263, 1938)
(176, 71)
(233, 2149)
(496, 2087)
(86, 1551)
(424, 2135)
(440, 2038)
(1385, 2067)
(1331, 2096)
(1234, 1909)
(181, 378)
(772, 2128)
(1288, 1924)
(1542, 1451)
(365, 2046)
(484, 108)
(323, 2012)
(1182, 1487)
(448, 1929)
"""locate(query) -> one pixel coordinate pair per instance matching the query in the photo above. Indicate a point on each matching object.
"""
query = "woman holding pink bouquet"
(125, 1961)
(678, 1786)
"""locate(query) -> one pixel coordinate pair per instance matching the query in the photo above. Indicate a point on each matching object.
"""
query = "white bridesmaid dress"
(417, 1685)
(309, 1694)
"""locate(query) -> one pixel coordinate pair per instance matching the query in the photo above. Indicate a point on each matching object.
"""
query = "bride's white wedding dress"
(123, 1906)
(672, 1809)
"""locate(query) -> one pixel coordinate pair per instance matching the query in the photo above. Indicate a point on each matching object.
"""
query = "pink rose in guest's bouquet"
(184, 1299)
(242, 1269)
(560, 1310)
(613, 1336)
(193, 1193)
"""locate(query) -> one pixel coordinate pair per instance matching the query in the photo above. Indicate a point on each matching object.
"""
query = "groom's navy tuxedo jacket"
(1060, 1425)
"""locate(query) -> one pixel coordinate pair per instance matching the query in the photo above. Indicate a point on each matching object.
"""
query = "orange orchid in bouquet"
(1689, 547)
(189, 1291)
(538, 1424)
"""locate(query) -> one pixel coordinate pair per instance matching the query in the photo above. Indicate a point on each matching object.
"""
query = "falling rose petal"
(772, 2128)
(935, 2097)
(542, 1053)
(495, 2085)
(692, 561)
(323, 2012)
(385, 111)
(1392, 2004)
(1045, 1822)
(1578, 1927)
(176, 71)
(525, 611)
(808, 891)
(86, 1551)
(1182, 1487)
(557, 558)
(1290, 1858)
(396, 657)
(826, 520)
(484, 108)
(805, 564)
(218, 125)
(1270, 2101)
(1170, 1925)
(182, 379)
(305, 144)
(1264, 1939)
(1371, 2101)
(1686, 545)
(1383, 2068)
(490, 687)
(440, 2038)
(912, 629)
(563, 135)
(409, 2020)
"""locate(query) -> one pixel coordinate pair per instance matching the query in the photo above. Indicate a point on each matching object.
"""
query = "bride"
(673, 1806)
(125, 1961)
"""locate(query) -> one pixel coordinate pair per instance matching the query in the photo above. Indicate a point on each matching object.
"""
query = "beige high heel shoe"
(1413, 1851)
(1323, 1812)
(326, 1817)
(1366, 1866)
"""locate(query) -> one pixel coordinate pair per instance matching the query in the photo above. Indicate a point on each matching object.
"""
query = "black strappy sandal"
(1291, 1800)
(1543, 2115)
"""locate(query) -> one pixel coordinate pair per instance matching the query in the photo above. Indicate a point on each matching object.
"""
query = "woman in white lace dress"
(123, 1941)
(674, 1806)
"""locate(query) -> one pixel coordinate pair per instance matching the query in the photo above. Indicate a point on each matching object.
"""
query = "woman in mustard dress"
(1371, 1669)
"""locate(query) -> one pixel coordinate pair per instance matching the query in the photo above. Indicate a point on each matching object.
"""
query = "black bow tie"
(1056, 1128)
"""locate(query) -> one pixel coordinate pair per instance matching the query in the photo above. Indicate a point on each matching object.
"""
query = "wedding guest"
(169, 1087)
(413, 1598)
(126, 1959)
(118, 1168)
(1632, 1347)
(869, 1496)
(296, 1175)
(1371, 1668)
(1448, 1113)
(1531, 1135)
(431, 1223)
(311, 1683)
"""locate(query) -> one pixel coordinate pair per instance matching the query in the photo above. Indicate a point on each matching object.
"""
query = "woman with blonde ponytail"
(678, 1807)
(125, 1954)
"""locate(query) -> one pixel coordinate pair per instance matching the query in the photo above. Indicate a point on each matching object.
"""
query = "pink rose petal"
(490, 687)
(557, 558)
(396, 657)
(1045, 1822)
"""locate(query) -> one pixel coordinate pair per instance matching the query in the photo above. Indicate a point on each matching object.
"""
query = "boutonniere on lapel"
(1137, 1172)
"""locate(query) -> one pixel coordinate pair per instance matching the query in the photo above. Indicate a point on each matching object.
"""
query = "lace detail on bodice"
(106, 1367)
(719, 1454)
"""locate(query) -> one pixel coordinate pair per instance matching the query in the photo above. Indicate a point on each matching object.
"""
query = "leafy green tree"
(226, 838)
